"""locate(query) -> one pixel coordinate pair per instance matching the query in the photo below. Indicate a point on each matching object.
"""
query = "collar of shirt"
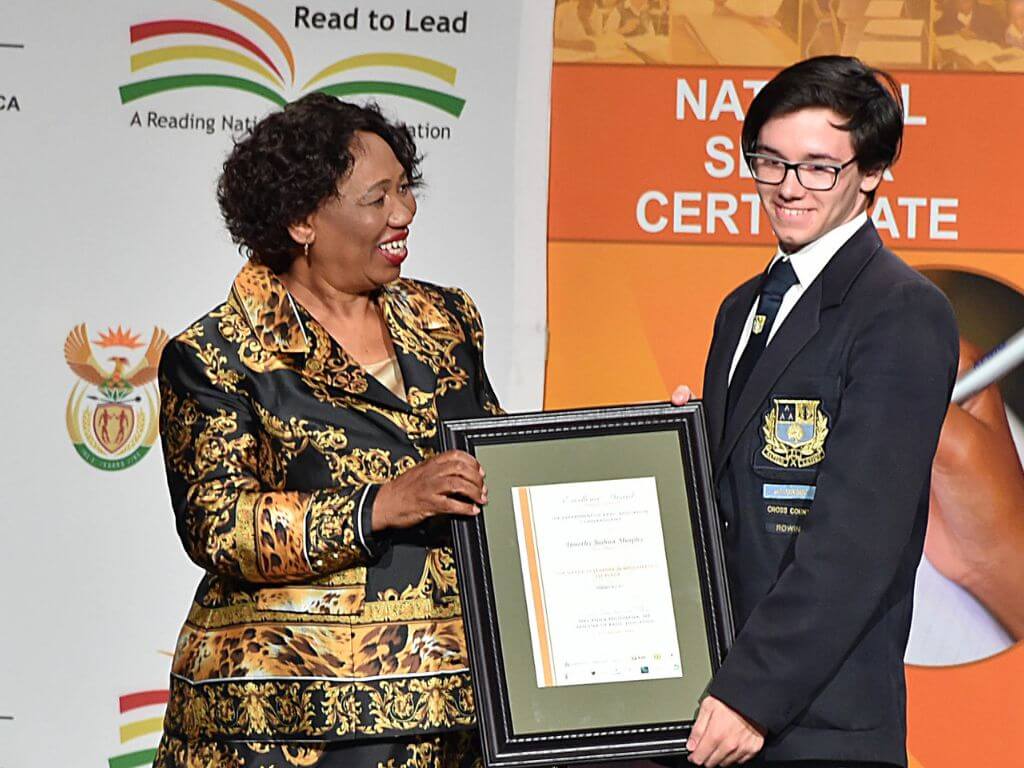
(808, 263)
(965, 18)
(810, 260)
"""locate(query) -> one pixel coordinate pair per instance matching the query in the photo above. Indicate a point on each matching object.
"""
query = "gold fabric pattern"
(267, 307)
(458, 749)
(308, 649)
(319, 709)
(220, 609)
(280, 521)
(422, 326)
(312, 599)
(216, 369)
(275, 442)
(234, 329)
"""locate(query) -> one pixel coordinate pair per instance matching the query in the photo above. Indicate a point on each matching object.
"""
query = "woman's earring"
(305, 249)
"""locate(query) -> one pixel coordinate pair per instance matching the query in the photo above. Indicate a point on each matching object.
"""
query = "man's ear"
(871, 181)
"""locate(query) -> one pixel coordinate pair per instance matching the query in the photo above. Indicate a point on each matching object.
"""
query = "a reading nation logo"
(112, 409)
(157, 43)
(143, 716)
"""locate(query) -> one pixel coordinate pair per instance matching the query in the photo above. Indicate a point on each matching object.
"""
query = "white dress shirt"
(807, 263)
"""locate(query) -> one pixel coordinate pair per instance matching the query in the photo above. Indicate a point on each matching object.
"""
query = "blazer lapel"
(264, 302)
(283, 328)
(716, 378)
(412, 323)
(799, 327)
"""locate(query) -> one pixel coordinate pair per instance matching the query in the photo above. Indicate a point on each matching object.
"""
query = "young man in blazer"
(825, 389)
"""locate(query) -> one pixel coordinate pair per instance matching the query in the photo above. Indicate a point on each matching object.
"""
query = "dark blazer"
(846, 403)
(307, 626)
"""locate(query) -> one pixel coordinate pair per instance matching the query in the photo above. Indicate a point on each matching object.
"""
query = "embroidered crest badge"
(112, 411)
(794, 433)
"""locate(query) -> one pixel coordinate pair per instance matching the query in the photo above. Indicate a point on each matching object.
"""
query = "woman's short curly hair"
(290, 163)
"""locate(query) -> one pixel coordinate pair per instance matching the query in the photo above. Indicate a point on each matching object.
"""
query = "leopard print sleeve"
(229, 522)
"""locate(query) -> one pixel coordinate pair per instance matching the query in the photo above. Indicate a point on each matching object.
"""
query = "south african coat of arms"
(112, 409)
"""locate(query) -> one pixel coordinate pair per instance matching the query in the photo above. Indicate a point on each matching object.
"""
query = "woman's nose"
(402, 212)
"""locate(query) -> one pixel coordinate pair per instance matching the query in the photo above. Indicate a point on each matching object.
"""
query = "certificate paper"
(596, 581)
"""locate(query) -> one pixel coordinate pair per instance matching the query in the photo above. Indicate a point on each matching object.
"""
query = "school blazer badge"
(794, 433)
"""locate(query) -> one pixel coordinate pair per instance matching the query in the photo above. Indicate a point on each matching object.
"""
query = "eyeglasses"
(814, 177)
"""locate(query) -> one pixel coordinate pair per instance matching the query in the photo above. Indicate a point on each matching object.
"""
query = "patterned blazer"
(307, 625)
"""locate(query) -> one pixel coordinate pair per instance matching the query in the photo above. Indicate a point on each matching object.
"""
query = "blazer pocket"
(791, 438)
(313, 600)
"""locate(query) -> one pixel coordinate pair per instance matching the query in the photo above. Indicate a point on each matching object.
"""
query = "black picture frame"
(503, 744)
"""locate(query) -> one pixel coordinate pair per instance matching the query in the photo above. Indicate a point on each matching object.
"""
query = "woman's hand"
(451, 483)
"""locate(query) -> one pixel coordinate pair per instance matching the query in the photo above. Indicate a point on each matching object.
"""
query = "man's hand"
(722, 736)
(976, 521)
(681, 395)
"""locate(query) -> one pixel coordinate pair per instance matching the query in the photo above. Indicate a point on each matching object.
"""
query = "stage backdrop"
(114, 120)
(653, 220)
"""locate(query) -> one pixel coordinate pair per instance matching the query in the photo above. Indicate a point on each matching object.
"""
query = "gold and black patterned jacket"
(306, 625)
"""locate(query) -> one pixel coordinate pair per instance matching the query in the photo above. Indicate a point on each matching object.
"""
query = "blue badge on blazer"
(794, 433)
(788, 491)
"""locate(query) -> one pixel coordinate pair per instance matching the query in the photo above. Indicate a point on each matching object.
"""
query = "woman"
(300, 435)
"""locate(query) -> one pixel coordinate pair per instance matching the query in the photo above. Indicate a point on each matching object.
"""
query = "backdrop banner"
(653, 219)
(114, 121)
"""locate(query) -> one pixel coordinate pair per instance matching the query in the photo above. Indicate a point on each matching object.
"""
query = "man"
(825, 388)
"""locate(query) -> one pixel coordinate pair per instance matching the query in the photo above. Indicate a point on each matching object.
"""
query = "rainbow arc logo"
(228, 46)
(139, 728)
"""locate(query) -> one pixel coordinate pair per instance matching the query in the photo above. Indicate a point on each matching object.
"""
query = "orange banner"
(660, 150)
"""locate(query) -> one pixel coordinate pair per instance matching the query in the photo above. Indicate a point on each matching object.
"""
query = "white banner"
(114, 121)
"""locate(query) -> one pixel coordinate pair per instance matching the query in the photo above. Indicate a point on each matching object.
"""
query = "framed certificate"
(593, 585)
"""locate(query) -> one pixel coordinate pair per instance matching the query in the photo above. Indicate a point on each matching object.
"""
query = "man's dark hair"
(868, 100)
(290, 163)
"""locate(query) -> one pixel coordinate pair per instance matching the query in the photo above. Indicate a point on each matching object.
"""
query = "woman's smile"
(394, 248)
